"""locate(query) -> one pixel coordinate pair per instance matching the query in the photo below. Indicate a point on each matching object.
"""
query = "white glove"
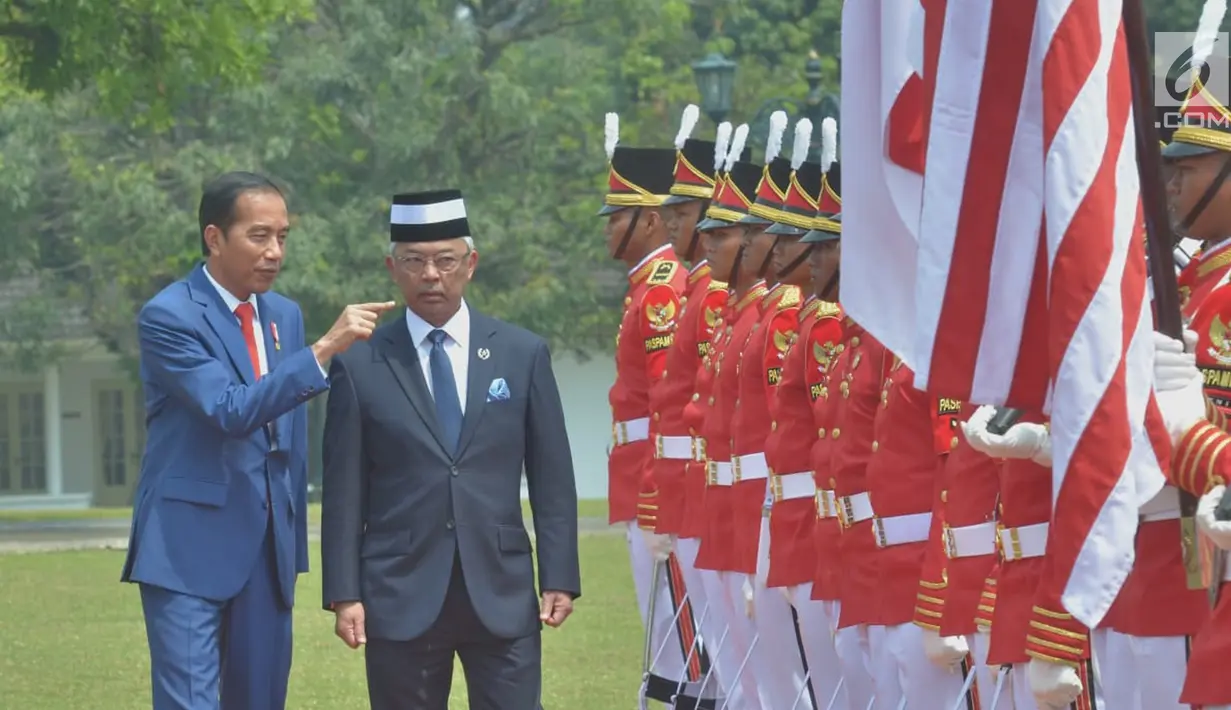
(945, 651)
(1174, 363)
(660, 546)
(1055, 685)
(749, 595)
(1021, 441)
(1178, 385)
(1218, 531)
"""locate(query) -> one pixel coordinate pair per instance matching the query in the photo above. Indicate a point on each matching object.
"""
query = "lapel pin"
(484, 353)
(273, 330)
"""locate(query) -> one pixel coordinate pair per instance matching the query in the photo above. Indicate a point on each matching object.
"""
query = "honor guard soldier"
(913, 433)
(1046, 650)
(702, 521)
(793, 519)
(727, 255)
(638, 183)
(1193, 387)
(961, 555)
(780, 653)
(675, 445)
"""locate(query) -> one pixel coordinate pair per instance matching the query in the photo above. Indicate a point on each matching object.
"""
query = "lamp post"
(715, 77)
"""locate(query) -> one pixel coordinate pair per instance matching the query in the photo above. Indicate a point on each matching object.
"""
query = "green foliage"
(142, 55)
(502, 98)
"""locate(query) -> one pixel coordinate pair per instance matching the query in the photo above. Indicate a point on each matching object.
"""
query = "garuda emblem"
(784, 341)
(822, 354)
(1220, 342)
(661, 316)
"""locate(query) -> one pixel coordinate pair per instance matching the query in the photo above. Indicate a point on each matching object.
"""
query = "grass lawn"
(593, 508)
(74, 638)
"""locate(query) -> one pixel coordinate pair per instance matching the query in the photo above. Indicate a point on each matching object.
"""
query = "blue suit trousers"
(221, 655)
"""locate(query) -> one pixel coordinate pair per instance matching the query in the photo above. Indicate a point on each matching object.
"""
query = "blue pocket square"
(498, 391)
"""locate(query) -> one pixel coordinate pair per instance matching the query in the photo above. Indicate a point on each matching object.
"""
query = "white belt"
(751, 467)
(826, 504)
(680, 448)
(1165, 505)
(970, 540)
(854, 509)
(1024, 542)
(718, 473)
(630, 431)
(901, 529)
(792, 486)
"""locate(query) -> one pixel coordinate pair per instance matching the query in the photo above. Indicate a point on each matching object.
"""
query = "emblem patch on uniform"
(774, 375)
(661, 316)
(783, 341)
(659, 342)
(822, 355)
(663, 272)
(1220, 342)
(949, 407)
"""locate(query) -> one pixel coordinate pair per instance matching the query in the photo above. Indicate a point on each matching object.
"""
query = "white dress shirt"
(457, 346)
(232, 302)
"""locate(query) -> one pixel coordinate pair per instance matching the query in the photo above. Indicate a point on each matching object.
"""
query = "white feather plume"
(722, 142)
(803, 141)
(737, 145)
(687, 122)
(777, 127)
(829, 143)
(1207, 31)
(611, 134)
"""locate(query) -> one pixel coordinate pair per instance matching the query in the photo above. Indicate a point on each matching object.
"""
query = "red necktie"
(247, 314)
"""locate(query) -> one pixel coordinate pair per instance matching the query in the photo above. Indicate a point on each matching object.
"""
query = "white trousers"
(712, 616)
(1143, 673)
(667, 648)
(818, 625)
(855, 657)
(745, 643)
(777, 661)
(901, 669)
(984, 677)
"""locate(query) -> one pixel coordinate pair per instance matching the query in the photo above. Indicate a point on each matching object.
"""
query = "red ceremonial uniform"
(759, 371)
(859, 369)
(962, 549)
(646, 332)
(716, 551)
(674, 444)
(913, 432)
(823, 341)
(695, 412)
(792, 552)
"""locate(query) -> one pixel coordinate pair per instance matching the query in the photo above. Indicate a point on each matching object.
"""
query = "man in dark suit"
(429, 427)
(219, 530)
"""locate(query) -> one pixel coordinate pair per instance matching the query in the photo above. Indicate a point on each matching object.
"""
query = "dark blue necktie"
(444, 389)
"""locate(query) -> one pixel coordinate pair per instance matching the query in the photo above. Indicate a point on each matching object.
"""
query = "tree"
(140, 54)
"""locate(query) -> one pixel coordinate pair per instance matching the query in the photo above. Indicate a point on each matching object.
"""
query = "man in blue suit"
(219, 529)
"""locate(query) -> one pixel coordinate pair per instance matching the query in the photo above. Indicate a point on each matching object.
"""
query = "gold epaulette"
(663, 273)
(718, 286)
(828, 309)
(790, 298)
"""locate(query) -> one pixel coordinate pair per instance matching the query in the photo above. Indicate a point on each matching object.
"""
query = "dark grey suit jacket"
(397, 507)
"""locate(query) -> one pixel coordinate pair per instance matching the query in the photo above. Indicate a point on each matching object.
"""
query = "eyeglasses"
(444, 263)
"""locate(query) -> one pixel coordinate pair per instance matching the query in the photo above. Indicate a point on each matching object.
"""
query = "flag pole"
(1160, 244)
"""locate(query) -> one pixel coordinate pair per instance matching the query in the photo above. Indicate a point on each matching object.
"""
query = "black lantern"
(715, 76)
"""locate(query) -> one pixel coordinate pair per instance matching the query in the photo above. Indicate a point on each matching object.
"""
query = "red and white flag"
(1029, 283)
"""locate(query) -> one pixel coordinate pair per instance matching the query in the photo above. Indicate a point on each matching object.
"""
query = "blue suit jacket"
(201, 513)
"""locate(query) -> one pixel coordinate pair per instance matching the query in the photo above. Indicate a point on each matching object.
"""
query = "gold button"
(696, 396)
(711, 401)
(683, 300)
(820, 433)
(884, 396)
(836, 432)
(833, 483)
(855, 342)
(773, 426)
(876, 445)
(842, 348)
(953, 443)
(655, 416)
(944, 496)
(628, 300)
(664, 374)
